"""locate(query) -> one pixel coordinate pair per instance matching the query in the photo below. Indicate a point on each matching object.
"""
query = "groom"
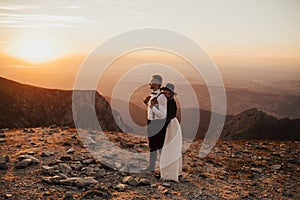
(156, 114)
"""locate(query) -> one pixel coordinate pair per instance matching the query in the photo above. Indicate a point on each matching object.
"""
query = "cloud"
(32, 66)
(12, 7)
(45, 14)
(41, 20)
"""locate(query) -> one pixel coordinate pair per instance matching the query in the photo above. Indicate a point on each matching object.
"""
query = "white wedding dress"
(171, 158)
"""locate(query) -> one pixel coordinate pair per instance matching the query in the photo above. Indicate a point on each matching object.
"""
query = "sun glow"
(34, 50)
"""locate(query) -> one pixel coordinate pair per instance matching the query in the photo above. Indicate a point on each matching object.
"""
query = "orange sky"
(44, 42)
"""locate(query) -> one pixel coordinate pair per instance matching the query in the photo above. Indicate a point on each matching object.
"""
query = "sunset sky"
(41, 38)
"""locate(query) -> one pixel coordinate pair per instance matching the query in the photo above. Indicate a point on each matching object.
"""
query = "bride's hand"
(146, 100)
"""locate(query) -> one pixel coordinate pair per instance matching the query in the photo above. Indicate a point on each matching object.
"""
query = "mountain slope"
(27, 106)
(255, 124)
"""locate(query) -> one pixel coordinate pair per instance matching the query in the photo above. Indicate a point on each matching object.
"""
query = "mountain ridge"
(24, 106)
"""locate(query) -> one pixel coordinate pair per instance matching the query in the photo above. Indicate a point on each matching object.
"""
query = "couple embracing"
(164, 131)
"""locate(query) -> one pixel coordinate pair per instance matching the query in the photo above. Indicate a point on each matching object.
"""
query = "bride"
(171, 159)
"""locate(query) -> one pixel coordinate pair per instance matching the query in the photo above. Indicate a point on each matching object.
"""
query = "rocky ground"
(53, 163)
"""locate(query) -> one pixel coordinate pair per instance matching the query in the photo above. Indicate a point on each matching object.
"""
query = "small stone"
(47, 193)
(258, 170)
(33, 159)
(3, 165)
(126, 179)
(65, 168)
(144, 182)
(47, 154)
(120, 187)
(23, 163)
(8, 196)
(4, 158)
(71, 150)
(89, 161)
(287, 193)
(130, 181)
(101, 193)
(276, 167)
(57, 178)
(48, 170)
(65, 158)
(68, 196)
(74, 136)
(166, 191)
(76, 166)
(78, 181)
(55, 162)
(47, 179)
(3, 130)
(30, 153)
(165, 184)
(88, 171)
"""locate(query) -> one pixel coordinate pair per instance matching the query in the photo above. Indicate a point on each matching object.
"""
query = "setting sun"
(36, 51)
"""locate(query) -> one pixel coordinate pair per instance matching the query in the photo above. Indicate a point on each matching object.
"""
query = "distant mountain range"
(279, 103)
(254, 124)
(249, 124)
(28, 106)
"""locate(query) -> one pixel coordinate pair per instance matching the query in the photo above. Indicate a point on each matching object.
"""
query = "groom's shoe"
(149, 169)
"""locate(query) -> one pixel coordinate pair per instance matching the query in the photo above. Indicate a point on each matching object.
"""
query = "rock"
(3, 130)
(47, 154)
(95, 194)
(46, 179)
(287, 193)
(76, 166)
(54, 179)
(65, 158)
(23, 163)
(88, 171)
(71, 150)
(74, 136)
(121, 187)
(293, 161)
(68, 196)
(2, 135)
(130, 181)
(3, 165)
(166, 191)
(4, 158)
(49, 170)
(2, 140)
(258, 170)
(34, 160)
(30, 153)
(166, 184)
(8, 196)
(144, 182)
(65, 168)
(57, 178)
(126, 179)
(78, 181)
(276, 167)
(89, 161)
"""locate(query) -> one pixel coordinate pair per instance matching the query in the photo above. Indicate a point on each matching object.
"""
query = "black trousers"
(156, 130)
